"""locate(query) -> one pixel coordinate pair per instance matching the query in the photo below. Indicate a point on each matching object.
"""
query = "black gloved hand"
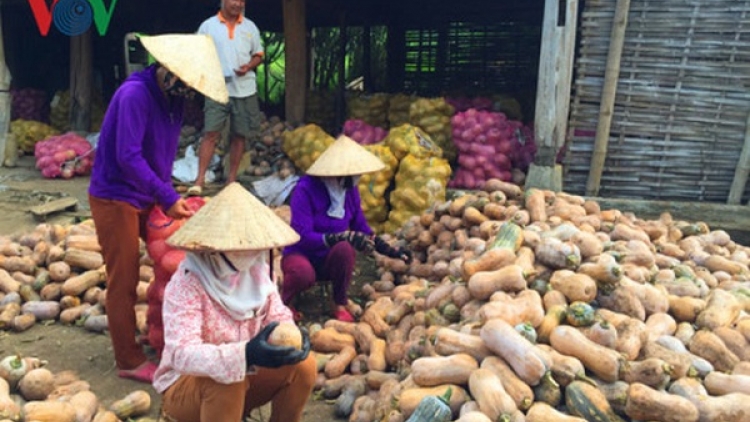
(405, 255)
(259, 352)
(360, 241)
(382, 247)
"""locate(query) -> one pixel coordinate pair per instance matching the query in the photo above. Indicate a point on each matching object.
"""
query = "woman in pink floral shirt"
(219, 309)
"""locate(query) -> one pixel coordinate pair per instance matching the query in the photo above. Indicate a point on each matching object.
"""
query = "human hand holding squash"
(260, 352)
(382, 247)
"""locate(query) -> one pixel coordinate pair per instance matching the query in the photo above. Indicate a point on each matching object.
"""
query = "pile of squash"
(540, 306)
(31, 392)
(57, 273)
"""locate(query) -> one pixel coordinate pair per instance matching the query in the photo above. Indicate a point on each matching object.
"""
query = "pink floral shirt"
(201, 338)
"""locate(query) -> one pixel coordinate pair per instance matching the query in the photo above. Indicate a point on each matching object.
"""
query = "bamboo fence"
(681, 105)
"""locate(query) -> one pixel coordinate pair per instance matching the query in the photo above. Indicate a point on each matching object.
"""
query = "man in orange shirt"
(240, 49)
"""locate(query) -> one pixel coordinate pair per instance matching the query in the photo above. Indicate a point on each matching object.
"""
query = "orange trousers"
(119, 226)
(201, 399)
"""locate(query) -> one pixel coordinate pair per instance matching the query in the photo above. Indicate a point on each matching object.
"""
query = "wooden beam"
(553, 93)
(295, 71)
(606, 106)
(716, 215)
(41, 212)
(5, 99)
(81, 78)
(742, 170)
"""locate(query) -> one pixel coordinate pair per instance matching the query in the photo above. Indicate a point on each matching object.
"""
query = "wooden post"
(367, 58)
(553, 94)
(295, 54)
(81, 78)
(742, 170)
(5, 100)
(609, 90)
(341, 70)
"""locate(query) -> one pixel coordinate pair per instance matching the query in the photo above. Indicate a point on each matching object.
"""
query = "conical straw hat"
(233, 220)
(345, 157)
(193, 58)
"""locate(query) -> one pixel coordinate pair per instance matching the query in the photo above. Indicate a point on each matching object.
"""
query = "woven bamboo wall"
(682, 103)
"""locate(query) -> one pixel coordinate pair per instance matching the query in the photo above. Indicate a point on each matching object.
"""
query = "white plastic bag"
(274, 190)
(186, 169)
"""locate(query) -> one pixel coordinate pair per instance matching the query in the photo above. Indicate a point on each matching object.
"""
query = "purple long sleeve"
(309, 205)
(138, 144)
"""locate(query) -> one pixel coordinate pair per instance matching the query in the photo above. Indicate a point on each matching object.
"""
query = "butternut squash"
(719, 384)
(438, 370)
(526, 306)
(519, 353)
(510, 278)
(86, 260)
(542, 412)
(488, 391)
(575, 286)
(522, 394)
(49, 411)
(136, 403)
(603, 362)
(328, 340)
(9, 409)
(730, 407)
(710, 347)
(77, 285)
(340, 362)
(646, 403)
(449, 342)
(652, 372)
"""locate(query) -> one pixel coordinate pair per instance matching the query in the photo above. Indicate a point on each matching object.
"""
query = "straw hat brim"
(345, 157)
(233, 220)
(193, 58)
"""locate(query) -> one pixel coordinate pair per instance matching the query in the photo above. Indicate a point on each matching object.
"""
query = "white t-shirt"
(235, 50)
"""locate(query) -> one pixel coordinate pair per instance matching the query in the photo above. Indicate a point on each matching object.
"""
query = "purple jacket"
(138, 144)
(309, 205)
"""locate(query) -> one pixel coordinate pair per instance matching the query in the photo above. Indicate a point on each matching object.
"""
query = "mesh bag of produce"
(319, 108)
(29, 132)
(305, 144)
(407, 139)
(433, 115)
(420, 182)
(373, 186)
(166, 260)
(372, 108)
(29, 104)
(398, 109)
(65, 156)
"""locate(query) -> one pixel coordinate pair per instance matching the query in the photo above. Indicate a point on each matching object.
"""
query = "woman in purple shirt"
(133, 172)
(327, 214)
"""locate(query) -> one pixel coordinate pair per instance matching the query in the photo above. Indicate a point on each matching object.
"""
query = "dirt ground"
(73, 348)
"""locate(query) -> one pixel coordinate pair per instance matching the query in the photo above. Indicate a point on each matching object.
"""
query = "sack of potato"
(433, 115)
(398, 109)
(305, 144)
(420, 182)
(373, 186)
(372, 108)
(28, 132)
(60, 111)
(320, 108)
(408, 139)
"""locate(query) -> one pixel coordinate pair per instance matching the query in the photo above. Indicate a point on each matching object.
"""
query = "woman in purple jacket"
(327, 214)
(133, 172)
